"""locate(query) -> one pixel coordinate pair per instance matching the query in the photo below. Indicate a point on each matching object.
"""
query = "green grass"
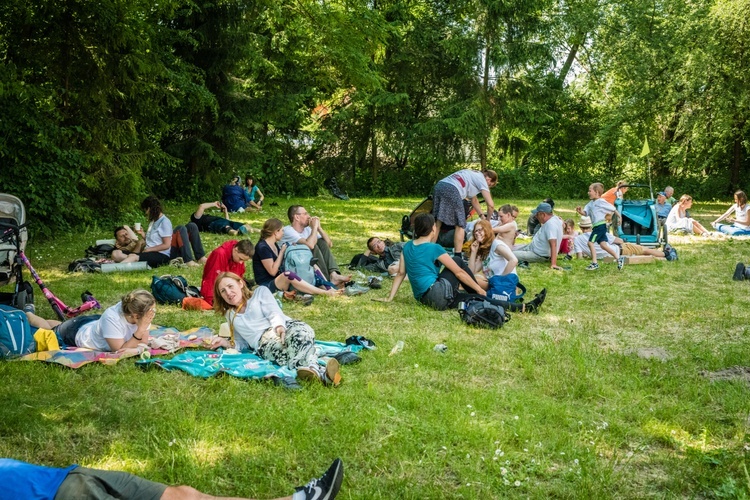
(552, 403)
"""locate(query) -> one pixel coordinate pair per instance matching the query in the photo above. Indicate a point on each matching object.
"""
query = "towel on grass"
(246, 365)
(77, 357)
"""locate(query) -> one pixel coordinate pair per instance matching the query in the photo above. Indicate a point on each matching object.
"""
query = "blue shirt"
(422, 265)
(30, 482)
(663, 210)
(251, 192)
(234, 197)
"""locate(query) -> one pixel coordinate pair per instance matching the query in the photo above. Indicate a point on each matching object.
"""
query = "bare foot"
(338, 279)
(192, 263)
(232, 232)
(334, 292)
(203, 260)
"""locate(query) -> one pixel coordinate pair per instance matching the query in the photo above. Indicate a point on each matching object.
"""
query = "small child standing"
(599, 210)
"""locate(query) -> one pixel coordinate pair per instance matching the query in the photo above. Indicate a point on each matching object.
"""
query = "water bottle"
(397, 348)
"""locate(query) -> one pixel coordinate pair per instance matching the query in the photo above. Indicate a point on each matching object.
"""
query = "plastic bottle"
(397, 348)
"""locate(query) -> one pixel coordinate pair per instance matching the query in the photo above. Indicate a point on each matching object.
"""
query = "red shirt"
(219, 261)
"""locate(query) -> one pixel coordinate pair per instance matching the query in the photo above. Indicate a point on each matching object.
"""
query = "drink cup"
(137, 226)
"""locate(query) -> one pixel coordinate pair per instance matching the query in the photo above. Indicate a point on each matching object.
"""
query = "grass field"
(557, 404)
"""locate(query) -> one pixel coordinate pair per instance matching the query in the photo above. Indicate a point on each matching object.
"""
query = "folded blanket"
(170, 339)
(247, 365)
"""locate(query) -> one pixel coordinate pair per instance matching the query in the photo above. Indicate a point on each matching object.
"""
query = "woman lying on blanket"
(256, 321)
(124, 325)
(421, 260)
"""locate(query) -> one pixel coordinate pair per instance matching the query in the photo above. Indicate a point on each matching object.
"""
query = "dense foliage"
(105, 101)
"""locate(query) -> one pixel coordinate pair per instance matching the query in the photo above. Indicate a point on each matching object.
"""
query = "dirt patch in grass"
(741, 373)
(651, 353)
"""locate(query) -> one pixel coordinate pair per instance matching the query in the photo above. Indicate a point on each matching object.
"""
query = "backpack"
(482, 313)
(103, 251)
(297, 259)
(15, 333)
(170, 289)
(506, 288)
(87, 265)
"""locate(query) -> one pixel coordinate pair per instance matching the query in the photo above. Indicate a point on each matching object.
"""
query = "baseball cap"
(662, 193)
(545, 208)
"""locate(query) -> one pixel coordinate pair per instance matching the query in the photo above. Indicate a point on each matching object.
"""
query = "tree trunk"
(485, 90)
(569, 62)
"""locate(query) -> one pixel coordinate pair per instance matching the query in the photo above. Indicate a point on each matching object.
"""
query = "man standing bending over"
(306, 230)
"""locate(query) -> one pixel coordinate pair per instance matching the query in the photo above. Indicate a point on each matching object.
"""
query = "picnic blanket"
(77, 357)
(205, 364)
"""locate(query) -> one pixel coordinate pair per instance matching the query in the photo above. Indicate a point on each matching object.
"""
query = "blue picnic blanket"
(205, 364)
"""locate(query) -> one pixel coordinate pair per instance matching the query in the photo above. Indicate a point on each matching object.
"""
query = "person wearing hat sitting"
(533, 225)
(546, 243)
(662, 206)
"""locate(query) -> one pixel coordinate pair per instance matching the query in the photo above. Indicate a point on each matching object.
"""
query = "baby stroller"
(13, 213)
(639, 223)
(13, 238)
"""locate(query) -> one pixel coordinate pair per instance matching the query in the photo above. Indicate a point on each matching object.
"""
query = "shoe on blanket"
(332, 373)
(326, 487)
(307, 374)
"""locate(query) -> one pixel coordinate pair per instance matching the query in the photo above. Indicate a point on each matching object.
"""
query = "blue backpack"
(506, 287)
(297, 259)
(15, 333)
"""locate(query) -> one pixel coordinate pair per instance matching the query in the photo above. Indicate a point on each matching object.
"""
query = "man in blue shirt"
(26, 481)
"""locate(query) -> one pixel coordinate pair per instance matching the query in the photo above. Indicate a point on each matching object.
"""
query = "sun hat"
(585, 221)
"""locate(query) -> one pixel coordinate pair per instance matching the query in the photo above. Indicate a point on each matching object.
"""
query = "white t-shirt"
(598, 209)
(292, 236)
(674, 221)
(552, 229)
(468, 182)
(158, 229)
(581, 245)
(494, 264)
(261, 313)
(112, 325)
(740, 215)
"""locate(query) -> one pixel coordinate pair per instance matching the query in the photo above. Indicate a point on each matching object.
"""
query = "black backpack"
(170, 289)
(482, 313)
(103, 251)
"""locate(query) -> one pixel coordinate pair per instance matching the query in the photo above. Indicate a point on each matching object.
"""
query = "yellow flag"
(646, 150)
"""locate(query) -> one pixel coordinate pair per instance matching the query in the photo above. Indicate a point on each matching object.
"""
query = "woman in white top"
(496, 261)
(124, 325)
(740, 226)
(256, 322)
(677, 220)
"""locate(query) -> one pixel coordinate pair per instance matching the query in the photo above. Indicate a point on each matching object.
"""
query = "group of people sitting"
(239, 198)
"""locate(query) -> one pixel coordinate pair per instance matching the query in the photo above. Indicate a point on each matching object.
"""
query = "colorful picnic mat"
(246, 365)
(76, 358)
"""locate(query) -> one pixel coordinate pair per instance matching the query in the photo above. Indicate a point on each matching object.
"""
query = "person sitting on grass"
(256, 322)
(740, 226)
(218, 225)
(532, 224)
(621, 247)
(229, 256)
(569, 234)
(234, 197)
(252, 193)
(163, 243)
(121, 326)
(421, 260)
(599, 210)
(662, 206)
(545, 245)
(269, 260)
(22, 480)
(678, 220)
(306, 230)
